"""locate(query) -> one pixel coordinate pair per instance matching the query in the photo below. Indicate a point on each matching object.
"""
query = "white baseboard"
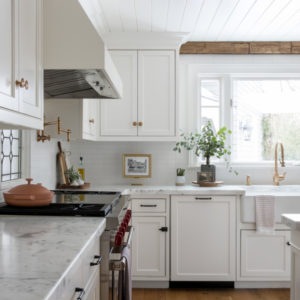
(262, 284)
(137, 284)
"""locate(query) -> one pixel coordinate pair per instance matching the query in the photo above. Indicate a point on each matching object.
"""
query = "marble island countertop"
(291, 220)
(36, 251)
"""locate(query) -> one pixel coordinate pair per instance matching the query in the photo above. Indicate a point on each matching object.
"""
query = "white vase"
(180, 180)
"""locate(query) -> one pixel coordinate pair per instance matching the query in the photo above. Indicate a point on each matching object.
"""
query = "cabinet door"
(203, 238)
(149, 247)
(30, 68)
(8, 62)
(295, 287)
(265, 257)
(118, 116)
(156, 93)
(92, 290)
(90, 118)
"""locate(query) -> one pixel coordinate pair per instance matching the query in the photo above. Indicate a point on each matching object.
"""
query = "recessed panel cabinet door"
(148, 247)
(29, 57)
(203, 238)
(90, 118)
(156, 93)
(119, 117)
(8, 48)
(265, 257)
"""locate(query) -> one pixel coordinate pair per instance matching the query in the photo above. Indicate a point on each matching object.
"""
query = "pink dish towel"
(265, 214)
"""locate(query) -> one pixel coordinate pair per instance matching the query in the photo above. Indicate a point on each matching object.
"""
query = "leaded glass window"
(11, 142)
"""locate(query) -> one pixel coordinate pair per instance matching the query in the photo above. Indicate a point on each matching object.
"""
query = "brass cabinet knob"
(134, 123)
(92, 121)
(140, 123)
(22, 83)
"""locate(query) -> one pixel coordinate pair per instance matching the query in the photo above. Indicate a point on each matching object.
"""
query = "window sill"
(290, 164)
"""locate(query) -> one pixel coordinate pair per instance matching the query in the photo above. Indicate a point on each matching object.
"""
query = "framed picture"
(137, 165)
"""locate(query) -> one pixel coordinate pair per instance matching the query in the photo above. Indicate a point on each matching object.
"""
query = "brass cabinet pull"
(22, 83)
(134, 123)
(92, 121)
(140, 123)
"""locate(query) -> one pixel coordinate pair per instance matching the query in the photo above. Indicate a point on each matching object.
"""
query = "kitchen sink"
(287, 200)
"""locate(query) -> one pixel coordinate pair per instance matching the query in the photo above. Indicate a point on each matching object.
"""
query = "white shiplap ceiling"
(205, 20)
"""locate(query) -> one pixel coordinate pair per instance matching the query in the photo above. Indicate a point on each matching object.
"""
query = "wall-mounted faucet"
(276, 177)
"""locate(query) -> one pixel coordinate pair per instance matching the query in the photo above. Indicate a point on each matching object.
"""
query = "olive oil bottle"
(81, 169)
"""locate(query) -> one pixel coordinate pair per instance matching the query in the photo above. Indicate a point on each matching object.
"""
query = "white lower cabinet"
(81, 275)
(265, 257)
(203, 238)
(149, 246)
(92, 290)
(295, 263)
(150, 241)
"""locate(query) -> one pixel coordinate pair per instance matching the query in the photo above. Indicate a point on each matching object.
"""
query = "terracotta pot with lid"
(28, 195)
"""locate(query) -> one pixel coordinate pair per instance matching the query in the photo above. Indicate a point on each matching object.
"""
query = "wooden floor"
(211, 294)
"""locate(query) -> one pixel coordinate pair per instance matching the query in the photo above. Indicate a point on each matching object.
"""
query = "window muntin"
(209, 102)
(265, 111)
(11, 142)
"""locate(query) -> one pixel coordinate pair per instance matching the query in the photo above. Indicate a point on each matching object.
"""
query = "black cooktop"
(58, 209)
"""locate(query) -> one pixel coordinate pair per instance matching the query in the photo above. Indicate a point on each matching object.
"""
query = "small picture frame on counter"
(137, 165)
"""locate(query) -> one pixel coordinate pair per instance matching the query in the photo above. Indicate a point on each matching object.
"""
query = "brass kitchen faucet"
(276, 177)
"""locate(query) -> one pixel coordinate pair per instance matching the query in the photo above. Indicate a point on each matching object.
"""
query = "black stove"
(57, 209)
(70, 203)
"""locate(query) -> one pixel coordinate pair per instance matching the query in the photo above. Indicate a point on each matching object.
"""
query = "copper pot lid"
(29, 189)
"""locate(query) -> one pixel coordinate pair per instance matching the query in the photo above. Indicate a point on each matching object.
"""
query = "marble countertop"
(170, 190)
(36, 251)
(291, 220)
(252, 190)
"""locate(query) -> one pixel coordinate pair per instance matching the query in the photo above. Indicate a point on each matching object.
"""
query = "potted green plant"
(180, 178)
(207, 143)
(74, 176)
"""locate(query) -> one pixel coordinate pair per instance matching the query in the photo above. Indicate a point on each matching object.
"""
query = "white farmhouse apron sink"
(287, 200)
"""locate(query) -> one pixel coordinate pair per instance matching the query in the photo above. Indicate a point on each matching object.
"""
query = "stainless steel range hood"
(76, 62)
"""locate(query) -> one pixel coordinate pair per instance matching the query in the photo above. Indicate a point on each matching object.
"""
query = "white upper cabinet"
(30, 57)
(8, 98)
(21, 94)
(156, 93)
(119, 118)
(90, 119)
(148, 107)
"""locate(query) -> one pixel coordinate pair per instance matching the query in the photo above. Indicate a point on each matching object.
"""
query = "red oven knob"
(118, 239)
(122, 230)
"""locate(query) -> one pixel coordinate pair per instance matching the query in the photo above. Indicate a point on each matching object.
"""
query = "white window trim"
(226, 112)
(193, 160)
(25, 163)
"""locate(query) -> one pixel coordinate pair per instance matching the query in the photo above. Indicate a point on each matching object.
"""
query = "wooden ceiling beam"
(240, 48)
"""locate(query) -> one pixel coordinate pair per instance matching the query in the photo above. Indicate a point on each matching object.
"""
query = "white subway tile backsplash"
(103, 164)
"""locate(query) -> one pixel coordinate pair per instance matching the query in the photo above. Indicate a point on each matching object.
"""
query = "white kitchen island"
(293, 221)
(47, 257)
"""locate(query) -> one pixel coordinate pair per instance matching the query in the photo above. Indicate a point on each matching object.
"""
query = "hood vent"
(76, 61)
(77, 84)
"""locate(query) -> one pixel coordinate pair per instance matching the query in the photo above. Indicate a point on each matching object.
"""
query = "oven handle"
(128, 243)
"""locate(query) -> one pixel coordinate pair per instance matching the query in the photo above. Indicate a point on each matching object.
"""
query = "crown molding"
(144, 40)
